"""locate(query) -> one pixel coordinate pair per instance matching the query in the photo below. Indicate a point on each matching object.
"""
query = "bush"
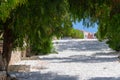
(77, 34)
(73, 33)
(43, 47)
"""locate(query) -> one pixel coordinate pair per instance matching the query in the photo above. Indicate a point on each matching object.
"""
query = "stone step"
(19, 68)
(3, 75)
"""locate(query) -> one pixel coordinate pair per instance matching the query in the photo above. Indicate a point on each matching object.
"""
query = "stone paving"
(76, 60)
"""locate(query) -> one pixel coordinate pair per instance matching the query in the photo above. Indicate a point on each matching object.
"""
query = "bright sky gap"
(80, 26)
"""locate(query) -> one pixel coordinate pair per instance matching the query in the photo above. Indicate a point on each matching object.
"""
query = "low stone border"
(3, 75)
(19, 68)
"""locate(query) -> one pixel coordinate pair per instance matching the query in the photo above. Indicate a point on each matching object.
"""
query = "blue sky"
(80, 26)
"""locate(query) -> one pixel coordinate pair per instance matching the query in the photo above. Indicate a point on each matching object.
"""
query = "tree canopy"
(6, 7)
(105, 13)
(36, 21)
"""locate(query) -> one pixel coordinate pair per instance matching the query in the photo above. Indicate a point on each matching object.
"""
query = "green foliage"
(77, 34)
(50, 17)
(109, 26)
(36, 21)
(45, 47)
(6, 7)
(39, 20)
(73, 33)
(113, 33)
(106, 13)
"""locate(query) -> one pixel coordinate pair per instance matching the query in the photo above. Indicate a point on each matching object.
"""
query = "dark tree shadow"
(42, 76)
(87, 45)
(113, 53)
(82, 58)
(81, 46)
(105, 78)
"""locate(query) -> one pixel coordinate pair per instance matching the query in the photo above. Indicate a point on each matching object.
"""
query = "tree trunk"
(7, 46)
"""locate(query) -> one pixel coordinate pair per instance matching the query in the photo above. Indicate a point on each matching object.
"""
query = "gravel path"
(77, 60)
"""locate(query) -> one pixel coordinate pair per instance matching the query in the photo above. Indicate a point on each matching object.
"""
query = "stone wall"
(3, 75)
(15, 57)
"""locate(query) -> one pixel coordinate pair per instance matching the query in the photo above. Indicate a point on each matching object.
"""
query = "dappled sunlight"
(83, 59)
(43, 76)
(81, 45)
(88, 59)
(105, 78)
(81, 51)
(76, 60)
